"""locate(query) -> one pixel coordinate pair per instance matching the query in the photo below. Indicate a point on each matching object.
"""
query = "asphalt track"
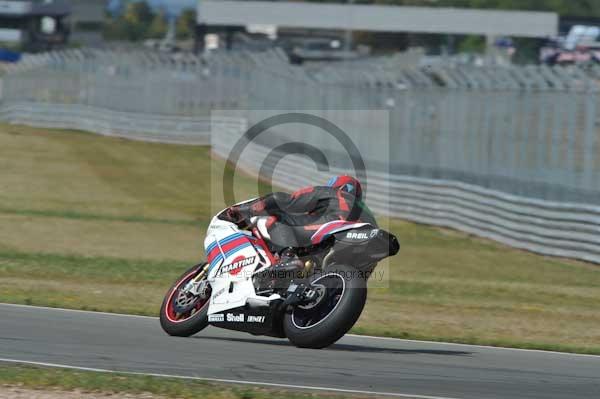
(366, 364)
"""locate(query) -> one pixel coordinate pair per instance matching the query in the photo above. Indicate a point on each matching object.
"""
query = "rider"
(294, 218)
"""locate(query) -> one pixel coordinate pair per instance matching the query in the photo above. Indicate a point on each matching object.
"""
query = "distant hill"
(172, 7)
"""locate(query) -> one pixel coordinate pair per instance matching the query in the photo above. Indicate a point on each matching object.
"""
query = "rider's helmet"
(346, 183)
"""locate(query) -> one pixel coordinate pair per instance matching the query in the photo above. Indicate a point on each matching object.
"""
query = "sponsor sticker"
(216, 317)
(236, 266)
(238, 318)
(357, 236)
(256, 319)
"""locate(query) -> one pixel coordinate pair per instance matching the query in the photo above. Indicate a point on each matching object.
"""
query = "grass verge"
(97, 382)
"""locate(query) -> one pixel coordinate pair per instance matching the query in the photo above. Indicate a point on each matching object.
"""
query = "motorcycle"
(237, 288)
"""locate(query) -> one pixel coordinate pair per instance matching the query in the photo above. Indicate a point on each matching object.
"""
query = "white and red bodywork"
(235, 255)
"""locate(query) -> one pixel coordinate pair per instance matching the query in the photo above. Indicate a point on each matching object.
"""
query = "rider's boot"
(289, 265)
(289, 268)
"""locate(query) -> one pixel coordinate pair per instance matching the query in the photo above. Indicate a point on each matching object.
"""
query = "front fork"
(198, 285)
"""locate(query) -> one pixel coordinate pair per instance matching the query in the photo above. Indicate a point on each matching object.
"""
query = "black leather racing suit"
(296, 216)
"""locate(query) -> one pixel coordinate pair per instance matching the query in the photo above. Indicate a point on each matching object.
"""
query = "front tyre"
(342, 294)
(183, 314)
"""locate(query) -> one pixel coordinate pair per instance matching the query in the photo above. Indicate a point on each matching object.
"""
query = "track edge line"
(221, 380)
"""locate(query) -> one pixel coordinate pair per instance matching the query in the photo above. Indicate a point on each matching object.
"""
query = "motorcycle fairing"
(263, 320)
(234, 256)
(333, 227)
(219, 250)
(363, 248)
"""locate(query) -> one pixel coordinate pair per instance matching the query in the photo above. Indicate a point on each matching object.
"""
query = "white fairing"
(233, 258)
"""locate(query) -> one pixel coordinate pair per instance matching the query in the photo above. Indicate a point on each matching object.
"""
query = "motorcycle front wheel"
(341, 297)
(183, 314)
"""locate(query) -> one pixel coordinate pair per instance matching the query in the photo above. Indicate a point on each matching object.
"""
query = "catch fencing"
(509, 153)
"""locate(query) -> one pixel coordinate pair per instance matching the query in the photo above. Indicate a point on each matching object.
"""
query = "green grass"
(91, 283)
(106, 224)
(93, 216)
(39, 378)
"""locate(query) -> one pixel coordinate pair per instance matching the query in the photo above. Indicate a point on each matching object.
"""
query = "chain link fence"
(530, 133)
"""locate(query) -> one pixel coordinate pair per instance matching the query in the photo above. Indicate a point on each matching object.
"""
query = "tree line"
(139, 21)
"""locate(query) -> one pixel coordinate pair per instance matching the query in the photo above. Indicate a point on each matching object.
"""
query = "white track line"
(221, 380)
(347, 335)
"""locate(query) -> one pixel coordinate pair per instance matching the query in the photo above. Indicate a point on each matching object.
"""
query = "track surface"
(129, 343)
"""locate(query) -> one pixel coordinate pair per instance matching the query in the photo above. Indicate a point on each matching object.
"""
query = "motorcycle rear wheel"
(186, 323)
(339, 308)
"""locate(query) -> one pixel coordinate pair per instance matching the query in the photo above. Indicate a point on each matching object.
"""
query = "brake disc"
(185, 302)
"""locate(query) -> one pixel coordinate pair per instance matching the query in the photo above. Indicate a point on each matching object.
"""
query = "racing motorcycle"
(237, 289)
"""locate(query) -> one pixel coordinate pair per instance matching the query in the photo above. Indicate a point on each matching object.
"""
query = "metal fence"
(512, 153)
(550, 228)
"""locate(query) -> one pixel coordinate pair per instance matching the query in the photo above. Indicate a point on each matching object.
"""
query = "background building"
(87, 21)
(34, 25)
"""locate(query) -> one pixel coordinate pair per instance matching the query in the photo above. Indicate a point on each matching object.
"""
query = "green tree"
(133, 24)
(138, 13)
(158, 27)
(186, 23)
(137, 18)
(471, 44)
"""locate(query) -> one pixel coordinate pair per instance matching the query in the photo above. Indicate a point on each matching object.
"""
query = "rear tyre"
(183, 314)
(341, 301)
